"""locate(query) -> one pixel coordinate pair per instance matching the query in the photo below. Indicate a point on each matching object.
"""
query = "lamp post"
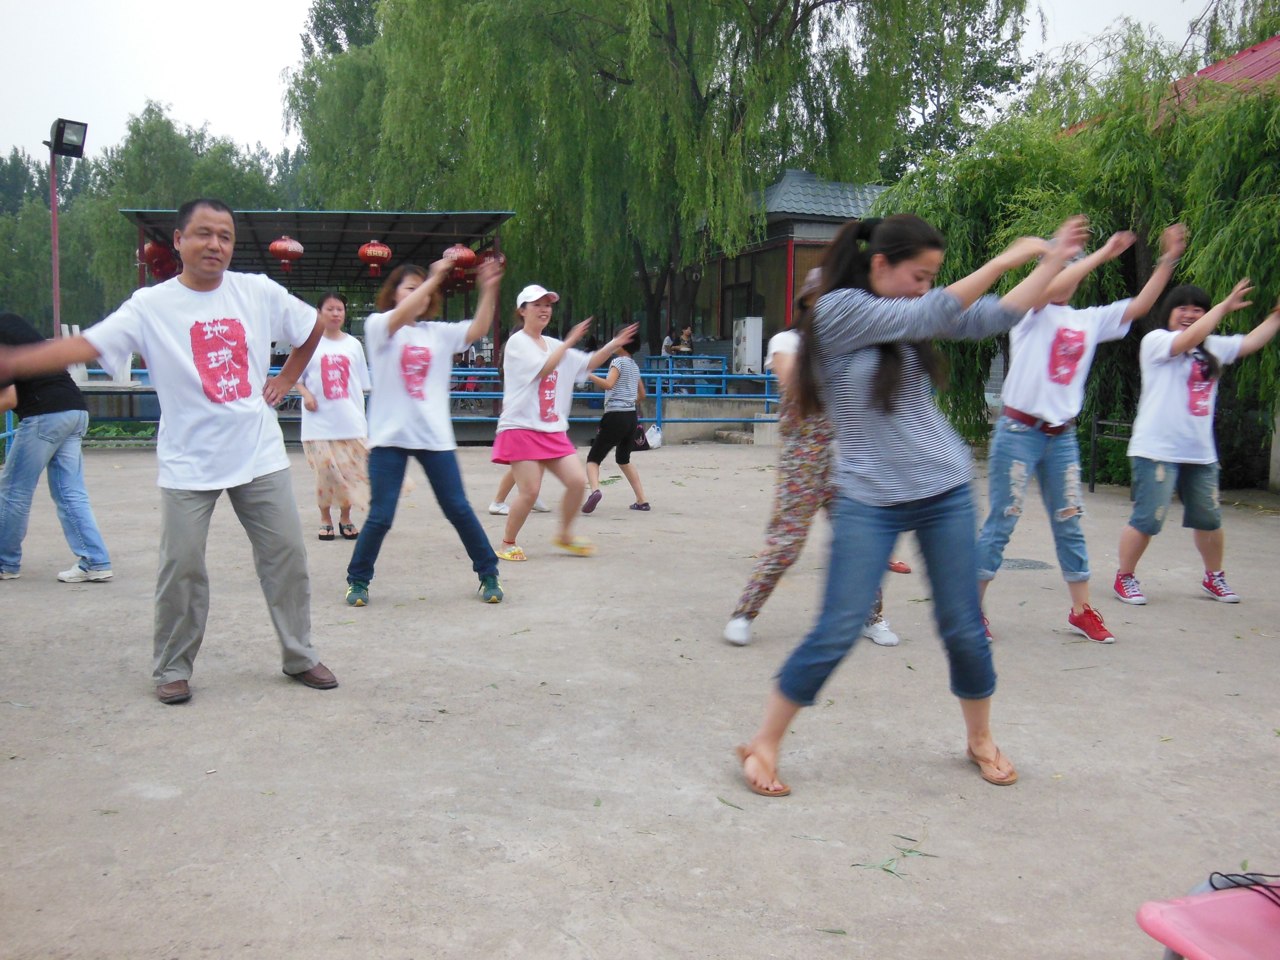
(66, 139)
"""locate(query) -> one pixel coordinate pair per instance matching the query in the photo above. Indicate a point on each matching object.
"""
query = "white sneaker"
(738, 631)
(538, 507)
(878, 632)
(5, 575)
(79, 574)
(499, 509)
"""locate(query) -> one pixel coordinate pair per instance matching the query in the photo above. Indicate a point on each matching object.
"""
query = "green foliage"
(1137, 158)
(631, 137)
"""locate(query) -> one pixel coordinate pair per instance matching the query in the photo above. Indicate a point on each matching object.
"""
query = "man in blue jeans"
(53, 419)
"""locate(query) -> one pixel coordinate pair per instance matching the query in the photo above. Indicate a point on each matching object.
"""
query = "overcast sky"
(221, 64)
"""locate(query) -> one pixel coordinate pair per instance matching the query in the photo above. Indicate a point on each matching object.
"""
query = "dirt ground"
(552, 777)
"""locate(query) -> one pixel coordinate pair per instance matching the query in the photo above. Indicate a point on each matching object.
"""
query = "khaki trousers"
(266, 509)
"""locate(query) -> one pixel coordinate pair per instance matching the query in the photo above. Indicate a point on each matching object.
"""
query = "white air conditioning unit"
(748, 345)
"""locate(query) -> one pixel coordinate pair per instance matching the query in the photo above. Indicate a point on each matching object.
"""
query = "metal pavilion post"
(53, 210)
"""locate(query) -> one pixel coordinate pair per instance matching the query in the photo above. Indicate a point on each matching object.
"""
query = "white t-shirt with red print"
(785, 342)
(411, 370)
(1175, 412)
(337, 377)
(208, 353)
(1050, 352)
(530, 402)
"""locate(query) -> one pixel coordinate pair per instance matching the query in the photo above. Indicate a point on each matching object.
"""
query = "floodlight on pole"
(66, 139)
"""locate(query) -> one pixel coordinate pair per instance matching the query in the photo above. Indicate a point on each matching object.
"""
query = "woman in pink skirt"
(533, 432)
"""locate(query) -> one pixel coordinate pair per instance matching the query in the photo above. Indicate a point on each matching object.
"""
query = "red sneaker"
(1215, 585)
(1128, 591)
(986, 628)
(1089, 622)
(899, 566)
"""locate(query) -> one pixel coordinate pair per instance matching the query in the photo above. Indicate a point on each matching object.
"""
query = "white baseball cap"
(534, 292)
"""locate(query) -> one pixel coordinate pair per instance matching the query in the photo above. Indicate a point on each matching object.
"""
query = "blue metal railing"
(476, 395)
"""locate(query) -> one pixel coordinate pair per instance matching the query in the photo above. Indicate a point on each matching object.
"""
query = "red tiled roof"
(1247, 68)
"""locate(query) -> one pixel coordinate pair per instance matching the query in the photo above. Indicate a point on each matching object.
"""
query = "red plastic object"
(1237, 924)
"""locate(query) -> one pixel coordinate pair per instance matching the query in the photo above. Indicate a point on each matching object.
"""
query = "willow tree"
(633, 136)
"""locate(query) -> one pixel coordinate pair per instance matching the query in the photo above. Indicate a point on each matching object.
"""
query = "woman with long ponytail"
(899, 465)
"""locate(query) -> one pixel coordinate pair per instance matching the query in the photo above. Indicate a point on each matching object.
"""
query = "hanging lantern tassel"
(375, 253)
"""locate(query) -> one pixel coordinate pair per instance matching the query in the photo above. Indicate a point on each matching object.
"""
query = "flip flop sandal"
(641, 506)
(348, 531)
(743, 756)
(511, 552)
(592, 501)
(993, 766)
(578, 546)
(326, 531)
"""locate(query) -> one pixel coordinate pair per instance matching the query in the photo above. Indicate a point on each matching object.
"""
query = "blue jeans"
(862, 540)
(1019, 452)
(49, 443)
(386, 477)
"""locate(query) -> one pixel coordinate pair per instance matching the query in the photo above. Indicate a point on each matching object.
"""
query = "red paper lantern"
(159, 260)
(463, 257)
(375, 253)
(286, 250)
(486, 256)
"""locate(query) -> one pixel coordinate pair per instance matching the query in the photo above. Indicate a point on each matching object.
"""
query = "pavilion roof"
(331, 238)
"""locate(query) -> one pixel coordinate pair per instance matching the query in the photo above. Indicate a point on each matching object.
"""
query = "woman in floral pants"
(803, 489)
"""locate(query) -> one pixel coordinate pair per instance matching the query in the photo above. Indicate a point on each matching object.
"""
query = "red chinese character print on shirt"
(221, 354)
(414, 364)
(335, 376)
(1065, 354)
(1199, 390)
(547, 397)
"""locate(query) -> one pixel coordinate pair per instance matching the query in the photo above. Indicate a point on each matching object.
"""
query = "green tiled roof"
(801, 194)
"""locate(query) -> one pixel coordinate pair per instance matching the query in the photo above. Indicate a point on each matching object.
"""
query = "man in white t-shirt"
(206, 336)
(1051, 350)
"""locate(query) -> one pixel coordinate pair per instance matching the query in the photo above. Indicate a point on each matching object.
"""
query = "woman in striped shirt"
(899, 465)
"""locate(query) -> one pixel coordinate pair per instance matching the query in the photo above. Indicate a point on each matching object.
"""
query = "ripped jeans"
(1019, 452)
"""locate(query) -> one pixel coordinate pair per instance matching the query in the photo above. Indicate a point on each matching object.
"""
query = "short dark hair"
(633, 345)
(188, 209)
(386, 298)
(331, 295)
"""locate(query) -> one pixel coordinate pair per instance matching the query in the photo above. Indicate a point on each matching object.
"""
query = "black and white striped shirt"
(912, 453)
(622, 395)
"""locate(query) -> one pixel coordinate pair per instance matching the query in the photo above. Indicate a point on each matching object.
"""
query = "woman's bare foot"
(759, 770)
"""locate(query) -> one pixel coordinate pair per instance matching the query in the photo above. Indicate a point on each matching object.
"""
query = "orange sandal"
(989, 769)
(744, 754)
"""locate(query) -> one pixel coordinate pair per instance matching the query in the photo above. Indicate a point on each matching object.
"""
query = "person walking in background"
(1172, 446)
(866, 359)
(803, 488)
(411, 365)
(1051, 350)
(334, 428)
(499, 507)
(617, 430)
(533, 432)
(207, 335)
(52, 422)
